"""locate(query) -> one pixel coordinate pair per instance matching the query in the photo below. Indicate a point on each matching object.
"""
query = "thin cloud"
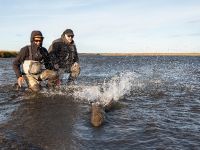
(185, 35)
(194, 34)
(104, 25)
(194, 21)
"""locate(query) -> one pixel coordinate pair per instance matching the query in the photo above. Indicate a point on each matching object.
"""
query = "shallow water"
(158, 106)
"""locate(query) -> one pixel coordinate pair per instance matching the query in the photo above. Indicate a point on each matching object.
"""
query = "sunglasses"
(38, 41)
(70, 36)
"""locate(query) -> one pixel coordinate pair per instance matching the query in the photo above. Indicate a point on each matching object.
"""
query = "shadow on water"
(48, 121)
(40, 122)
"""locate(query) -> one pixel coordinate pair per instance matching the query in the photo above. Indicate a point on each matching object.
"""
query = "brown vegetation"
(8, 54)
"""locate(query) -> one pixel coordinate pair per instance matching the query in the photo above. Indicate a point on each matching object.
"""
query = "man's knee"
(35, 88)
(48, 74)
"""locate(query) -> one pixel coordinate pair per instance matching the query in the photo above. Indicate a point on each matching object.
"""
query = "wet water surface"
(158, 107)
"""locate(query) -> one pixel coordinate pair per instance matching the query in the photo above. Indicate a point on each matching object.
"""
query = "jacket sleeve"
(46, 59)
(76, 58)
(18, 61)
(53, 52)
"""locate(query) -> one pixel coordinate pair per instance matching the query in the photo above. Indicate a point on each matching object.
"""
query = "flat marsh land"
(143, 54)
(8, 54)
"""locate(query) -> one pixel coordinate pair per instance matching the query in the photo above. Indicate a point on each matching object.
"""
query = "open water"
(158, 107)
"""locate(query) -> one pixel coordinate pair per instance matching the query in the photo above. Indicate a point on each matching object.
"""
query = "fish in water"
(97, 114)
(109, 105)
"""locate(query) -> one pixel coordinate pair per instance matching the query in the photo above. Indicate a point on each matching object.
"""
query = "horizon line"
(131, 53)
(144, 54)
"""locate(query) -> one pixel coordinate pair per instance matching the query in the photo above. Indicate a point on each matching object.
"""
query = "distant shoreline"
(9, 54)
(142, 54)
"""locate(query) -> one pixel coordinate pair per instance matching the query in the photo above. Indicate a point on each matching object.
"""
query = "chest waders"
(31, 67)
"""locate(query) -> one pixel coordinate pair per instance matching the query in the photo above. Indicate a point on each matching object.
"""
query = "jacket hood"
(36, 33)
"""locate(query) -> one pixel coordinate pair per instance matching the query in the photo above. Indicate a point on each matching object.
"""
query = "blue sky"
(104, 25)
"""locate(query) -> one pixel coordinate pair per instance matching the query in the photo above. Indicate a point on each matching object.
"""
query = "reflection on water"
(158, 97)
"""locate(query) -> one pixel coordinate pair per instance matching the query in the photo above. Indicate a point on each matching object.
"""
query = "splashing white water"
(114, 89)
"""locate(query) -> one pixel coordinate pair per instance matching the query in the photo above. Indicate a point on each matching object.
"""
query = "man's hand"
(56, 66)
(75, 70)
(20, 81)
(75, 67)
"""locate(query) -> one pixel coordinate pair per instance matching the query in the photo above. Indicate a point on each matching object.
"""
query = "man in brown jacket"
(33, 65)
(64, 56)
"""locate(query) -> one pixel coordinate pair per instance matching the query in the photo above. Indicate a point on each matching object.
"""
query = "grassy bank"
(8, 54)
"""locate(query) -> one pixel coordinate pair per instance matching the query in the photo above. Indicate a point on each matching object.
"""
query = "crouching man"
(32, 64)
(64, 56)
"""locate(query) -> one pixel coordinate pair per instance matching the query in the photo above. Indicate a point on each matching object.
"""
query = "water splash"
(114, 89)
